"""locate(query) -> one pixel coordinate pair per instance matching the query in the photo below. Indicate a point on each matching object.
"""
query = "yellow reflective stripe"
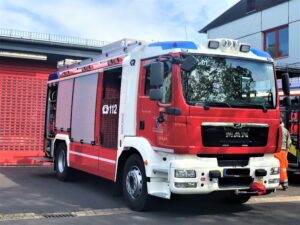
(293, 150)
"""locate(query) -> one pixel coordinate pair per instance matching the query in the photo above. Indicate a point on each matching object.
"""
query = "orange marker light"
(146, 162)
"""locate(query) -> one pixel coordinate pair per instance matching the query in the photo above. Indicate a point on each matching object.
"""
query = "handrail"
(51, 38)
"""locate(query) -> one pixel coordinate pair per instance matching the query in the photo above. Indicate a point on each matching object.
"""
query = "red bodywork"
(97, 162)
(183, 133)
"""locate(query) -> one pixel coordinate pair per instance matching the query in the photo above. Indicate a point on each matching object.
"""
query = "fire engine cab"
(168, 118)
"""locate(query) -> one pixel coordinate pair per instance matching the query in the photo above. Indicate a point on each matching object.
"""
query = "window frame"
(276, 30)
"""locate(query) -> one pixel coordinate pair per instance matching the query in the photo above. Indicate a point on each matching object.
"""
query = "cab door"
(152, 121)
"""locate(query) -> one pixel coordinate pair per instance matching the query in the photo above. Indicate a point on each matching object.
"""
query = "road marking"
(275, 199)
(118, 211)
(85, 213)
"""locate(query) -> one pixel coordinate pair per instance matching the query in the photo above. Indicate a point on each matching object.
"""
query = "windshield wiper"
(263, 105)
(206, 104)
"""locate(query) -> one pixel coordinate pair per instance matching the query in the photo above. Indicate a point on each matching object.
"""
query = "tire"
(63, 172)
(134, 184)
(233, 199)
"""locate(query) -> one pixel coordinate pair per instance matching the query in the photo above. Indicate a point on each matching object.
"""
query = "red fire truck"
(168, 118)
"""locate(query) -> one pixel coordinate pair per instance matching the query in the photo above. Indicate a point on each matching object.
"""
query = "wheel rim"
(61, 161)
(134, 182)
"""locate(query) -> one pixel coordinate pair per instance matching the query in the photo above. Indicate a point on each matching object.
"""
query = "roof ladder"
(111, 50)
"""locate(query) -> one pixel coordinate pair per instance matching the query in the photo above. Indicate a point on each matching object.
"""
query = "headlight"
(185, 173)
(275, 171)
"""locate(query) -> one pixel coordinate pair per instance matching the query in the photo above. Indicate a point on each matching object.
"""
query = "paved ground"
(35, 193)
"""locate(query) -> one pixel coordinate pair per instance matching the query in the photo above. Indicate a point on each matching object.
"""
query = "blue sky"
(111, 20)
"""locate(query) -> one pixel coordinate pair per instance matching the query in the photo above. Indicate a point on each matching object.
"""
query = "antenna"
(186, 35)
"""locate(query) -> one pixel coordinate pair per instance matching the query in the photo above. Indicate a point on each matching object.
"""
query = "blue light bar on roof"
(174, 44)
(261, 53)
(53, 76)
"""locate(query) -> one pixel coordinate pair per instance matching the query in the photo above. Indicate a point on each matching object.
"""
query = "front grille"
(237, 172)
(232, 160)
(226, 182)
(231, 136)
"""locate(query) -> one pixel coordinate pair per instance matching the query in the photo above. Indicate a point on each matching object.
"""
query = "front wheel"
(63, 172)
(134, 184)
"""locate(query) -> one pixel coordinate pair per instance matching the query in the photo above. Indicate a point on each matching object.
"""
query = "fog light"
(273, 181)
(185, 173)
(275, 171)
(186, 185)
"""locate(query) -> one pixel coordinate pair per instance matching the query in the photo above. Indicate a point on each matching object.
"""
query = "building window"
(277, 42)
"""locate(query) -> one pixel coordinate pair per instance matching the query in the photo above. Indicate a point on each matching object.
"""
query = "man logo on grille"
(237, 125)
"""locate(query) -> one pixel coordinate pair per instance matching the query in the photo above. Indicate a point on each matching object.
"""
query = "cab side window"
(167, 88)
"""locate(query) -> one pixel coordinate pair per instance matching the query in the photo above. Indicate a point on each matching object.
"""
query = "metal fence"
(53, 38)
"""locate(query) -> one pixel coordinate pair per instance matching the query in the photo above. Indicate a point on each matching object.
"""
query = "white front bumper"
(204, 184)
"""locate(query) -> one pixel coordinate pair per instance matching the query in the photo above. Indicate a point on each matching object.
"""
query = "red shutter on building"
(22, 109)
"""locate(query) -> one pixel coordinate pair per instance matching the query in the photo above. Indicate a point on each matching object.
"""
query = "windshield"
(230, 82)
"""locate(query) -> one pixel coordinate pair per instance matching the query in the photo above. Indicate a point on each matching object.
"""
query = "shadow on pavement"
(294, 179)
(37, 190)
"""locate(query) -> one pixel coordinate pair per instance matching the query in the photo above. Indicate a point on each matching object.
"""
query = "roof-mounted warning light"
(174, 44)
(228, 45)
(245, 48)
(213, 44)
(53, 76)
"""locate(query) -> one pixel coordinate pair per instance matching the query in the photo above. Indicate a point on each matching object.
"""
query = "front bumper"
(204, 182)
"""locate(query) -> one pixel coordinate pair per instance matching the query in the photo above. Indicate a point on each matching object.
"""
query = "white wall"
(251, 25)
(275, 16)
(256, 40)
(250, 28)
(294, 12)
(294, 45)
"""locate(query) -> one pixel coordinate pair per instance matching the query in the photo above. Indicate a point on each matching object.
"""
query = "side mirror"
(157, 74)
(287, 101)
(155, 94)
(286, 84)
(189, 64)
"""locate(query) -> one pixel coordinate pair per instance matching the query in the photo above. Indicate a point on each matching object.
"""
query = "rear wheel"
(63, 172)
(134, 184)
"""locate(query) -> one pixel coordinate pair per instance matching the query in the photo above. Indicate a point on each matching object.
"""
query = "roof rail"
(113, 49)
(51, 38)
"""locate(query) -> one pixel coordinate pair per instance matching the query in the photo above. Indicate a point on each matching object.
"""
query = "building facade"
(270, 25)
(26, 60)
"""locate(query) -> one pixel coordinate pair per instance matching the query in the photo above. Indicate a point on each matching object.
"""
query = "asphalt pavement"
(33, 196)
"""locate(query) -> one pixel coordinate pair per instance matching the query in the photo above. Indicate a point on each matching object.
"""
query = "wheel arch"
(62, 138)
(120, 167)
(132, 145)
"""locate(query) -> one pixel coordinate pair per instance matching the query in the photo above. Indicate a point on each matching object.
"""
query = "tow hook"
(251, 193)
